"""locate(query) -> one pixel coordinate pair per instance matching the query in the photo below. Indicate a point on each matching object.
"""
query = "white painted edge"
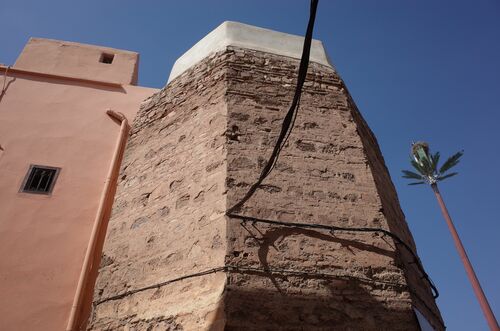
(249, 37)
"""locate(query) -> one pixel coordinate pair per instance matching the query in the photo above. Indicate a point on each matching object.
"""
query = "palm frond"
(411, 175)
(416, 183)
(440, 178)
(435, 160)
(427, 165)
(417, 167)
(451, 162)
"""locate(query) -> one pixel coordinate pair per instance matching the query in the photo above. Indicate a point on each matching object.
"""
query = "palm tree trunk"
(485, 306)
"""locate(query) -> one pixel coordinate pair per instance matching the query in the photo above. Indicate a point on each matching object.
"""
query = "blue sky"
(416, 69)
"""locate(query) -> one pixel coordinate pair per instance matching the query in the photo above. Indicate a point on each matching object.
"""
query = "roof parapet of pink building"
(71, 59)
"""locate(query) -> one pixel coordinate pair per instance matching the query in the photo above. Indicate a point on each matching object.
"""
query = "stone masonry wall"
(330, 172)
(419, 289)
(168, 215)
(195, 149)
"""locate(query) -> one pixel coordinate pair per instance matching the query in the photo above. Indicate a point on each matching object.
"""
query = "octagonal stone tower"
(173, 259)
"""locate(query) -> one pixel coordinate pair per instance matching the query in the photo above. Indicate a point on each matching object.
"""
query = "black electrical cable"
(236, 268)
(288, 121)
(242, 269)
(158, 285)
(333, 228)
(246, 269)
(287, 224)
(286, 129)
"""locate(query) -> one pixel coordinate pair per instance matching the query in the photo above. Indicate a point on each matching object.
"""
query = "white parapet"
(250, 37)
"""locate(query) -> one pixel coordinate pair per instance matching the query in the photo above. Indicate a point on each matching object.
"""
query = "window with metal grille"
(40, 179)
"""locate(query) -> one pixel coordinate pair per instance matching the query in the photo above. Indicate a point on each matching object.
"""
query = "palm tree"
(426, 165)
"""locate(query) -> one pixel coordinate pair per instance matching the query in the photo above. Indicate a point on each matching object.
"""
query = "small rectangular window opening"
(40, 179)
(107, 58)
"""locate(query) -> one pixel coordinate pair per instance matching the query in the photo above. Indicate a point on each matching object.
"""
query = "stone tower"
(173, 259)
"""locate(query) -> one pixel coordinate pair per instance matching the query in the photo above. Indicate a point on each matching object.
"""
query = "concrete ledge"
(251, 37)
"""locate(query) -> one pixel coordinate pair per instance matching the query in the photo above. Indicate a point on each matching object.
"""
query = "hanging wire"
(286, 129)
(289, 120)
(332, 229)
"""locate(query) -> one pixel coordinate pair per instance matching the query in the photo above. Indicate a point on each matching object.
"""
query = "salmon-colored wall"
(79, 60)
(60, 122)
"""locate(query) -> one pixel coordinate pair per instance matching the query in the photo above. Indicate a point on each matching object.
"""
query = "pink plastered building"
(62, 134)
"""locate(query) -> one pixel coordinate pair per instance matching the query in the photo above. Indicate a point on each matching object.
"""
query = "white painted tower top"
(250, 37)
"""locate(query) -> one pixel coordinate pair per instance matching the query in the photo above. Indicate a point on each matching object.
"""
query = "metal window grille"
(40, 179)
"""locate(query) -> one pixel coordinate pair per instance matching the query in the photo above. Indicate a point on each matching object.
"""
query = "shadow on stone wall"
(274, 238)
(259, 297)
(353, 309)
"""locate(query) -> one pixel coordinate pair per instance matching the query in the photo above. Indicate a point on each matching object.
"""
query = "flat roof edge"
(250, 37)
